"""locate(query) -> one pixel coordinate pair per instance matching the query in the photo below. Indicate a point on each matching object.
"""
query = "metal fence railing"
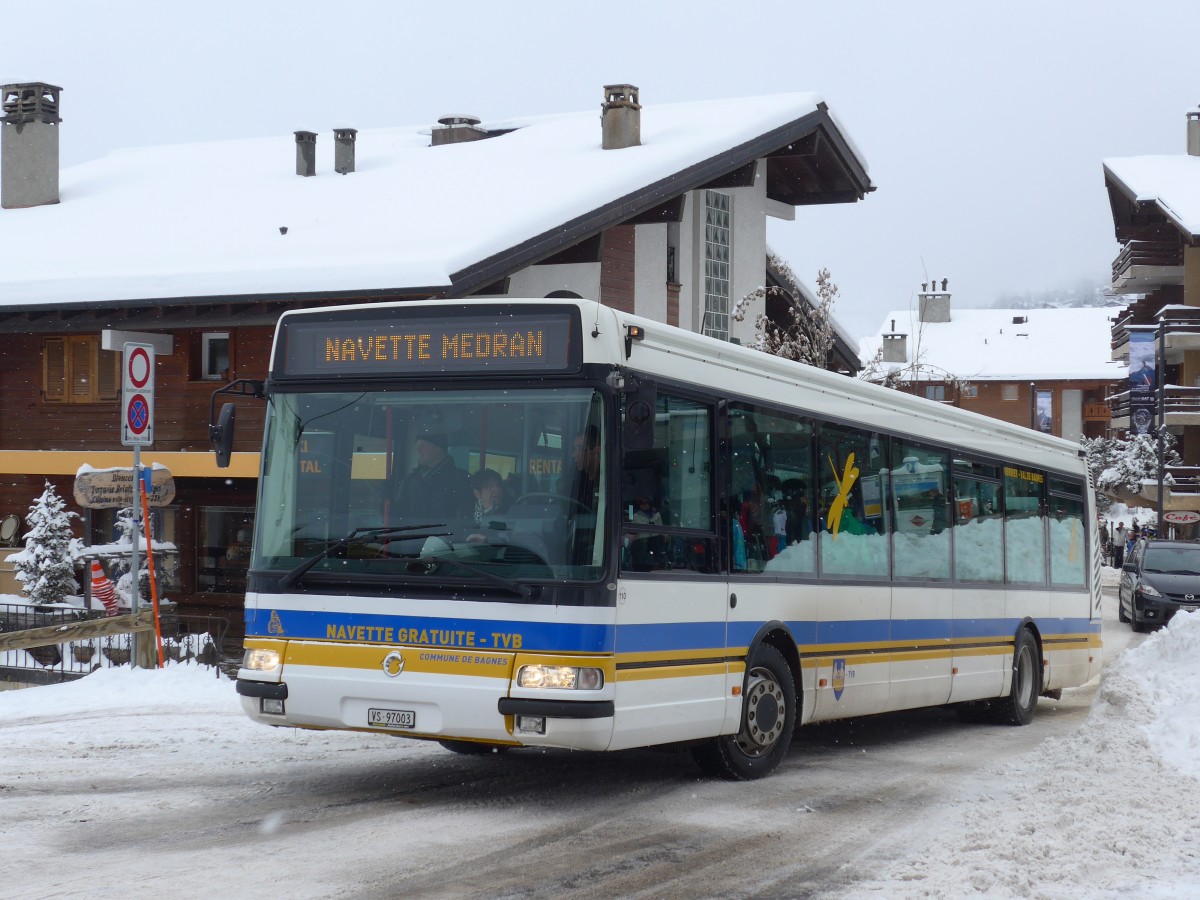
(187, 640)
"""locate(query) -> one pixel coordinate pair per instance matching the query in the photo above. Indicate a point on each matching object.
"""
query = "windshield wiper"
(380, 533)
(525, 591)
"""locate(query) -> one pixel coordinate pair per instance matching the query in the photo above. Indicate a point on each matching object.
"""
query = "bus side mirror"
(640, 405)
(221, 435)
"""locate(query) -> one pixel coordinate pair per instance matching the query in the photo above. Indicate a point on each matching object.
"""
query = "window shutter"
(79, 362)
(108, 375)
(54, 370)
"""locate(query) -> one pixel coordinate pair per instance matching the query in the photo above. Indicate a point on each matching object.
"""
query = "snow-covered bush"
(46, 567)
(809, 336)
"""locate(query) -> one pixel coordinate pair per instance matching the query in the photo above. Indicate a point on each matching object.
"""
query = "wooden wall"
(181, 419)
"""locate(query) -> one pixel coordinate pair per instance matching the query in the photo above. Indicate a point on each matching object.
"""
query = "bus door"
(672, 679)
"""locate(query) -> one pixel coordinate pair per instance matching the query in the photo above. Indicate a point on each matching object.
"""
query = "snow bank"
(1110, 811)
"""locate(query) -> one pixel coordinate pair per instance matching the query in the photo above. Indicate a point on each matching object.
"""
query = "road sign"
(137, 396)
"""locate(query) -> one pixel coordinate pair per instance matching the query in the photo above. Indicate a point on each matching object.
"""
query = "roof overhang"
(809, 161)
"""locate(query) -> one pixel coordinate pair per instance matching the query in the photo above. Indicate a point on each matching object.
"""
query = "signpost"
(137, 396)
(137, 431)
(111, 488)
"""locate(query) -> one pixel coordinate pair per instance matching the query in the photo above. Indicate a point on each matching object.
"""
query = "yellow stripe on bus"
(477, 663)
(655, 673)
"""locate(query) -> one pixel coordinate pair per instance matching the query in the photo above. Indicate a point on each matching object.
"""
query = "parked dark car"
(1158, 579)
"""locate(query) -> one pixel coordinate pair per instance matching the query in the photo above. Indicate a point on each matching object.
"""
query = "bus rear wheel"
(1017, 708)
(768, 718)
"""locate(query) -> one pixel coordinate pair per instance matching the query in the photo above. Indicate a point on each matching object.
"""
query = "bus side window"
(854, 486)
(667, 491)
(770, 491)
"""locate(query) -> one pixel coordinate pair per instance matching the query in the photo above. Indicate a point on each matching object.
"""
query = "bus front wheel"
(768, 718)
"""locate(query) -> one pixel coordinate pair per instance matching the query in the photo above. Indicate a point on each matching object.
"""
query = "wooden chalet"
(658, 210)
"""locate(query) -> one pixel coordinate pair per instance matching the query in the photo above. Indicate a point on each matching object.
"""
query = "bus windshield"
(429, 486)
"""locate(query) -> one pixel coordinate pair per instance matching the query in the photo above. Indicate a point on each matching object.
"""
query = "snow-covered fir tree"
(46, 567)
(1123, 465)
(808, 337)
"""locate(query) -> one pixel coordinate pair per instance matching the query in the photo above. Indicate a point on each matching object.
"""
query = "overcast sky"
(984, 125)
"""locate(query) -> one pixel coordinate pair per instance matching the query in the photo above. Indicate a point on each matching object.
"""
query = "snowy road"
(145, 799)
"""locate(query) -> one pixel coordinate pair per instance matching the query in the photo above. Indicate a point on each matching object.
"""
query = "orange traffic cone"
(102, 588)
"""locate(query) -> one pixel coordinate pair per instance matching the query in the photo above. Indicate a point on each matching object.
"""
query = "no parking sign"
(137, 396)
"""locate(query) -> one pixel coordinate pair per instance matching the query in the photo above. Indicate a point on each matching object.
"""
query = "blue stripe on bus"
(642, 638)
(430, 631)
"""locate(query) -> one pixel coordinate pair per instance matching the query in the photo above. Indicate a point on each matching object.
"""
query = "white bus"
(675, 540)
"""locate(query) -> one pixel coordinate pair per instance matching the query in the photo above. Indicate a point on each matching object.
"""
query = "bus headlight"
(261, 660)
(576, 678)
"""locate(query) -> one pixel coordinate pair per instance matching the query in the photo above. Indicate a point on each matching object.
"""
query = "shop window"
(106, 546)
(223, 549)
(76, 370)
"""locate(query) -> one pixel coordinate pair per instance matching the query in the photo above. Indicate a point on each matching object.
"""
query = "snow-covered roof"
(1172, 183)
(207, 220)
(989, 345)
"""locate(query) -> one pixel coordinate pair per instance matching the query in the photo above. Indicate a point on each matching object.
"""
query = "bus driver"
(436, 487)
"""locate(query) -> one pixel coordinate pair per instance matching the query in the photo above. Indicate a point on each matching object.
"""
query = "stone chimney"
(621, 117)
(306, 153)
(1193, 132)
(343, 149)
(895, 346)
(934, 305)
(29, 145)
(457, 129)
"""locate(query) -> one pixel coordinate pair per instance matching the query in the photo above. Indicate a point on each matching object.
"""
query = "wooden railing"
(63, 644)
(1179, 400)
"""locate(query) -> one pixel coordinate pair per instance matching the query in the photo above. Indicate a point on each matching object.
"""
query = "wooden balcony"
(1181, 406)
(1144, 265)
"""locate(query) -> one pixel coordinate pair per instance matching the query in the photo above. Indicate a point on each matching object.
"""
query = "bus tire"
(472, 748)
(769, 711)
(1017, 708)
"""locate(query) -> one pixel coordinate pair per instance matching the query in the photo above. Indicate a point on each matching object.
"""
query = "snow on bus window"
(853, 488)
(978, 531)
(921, 539)
(1068, 563)
(1025, 533)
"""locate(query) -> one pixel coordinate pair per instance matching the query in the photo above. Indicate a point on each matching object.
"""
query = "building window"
(215, 356)
(935, 392)
(716, 265)
(970, 392)
(223, 549)
(1009, 392)
(76, 370)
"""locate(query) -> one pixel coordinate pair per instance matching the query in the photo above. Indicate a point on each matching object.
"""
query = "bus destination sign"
(506, 341)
